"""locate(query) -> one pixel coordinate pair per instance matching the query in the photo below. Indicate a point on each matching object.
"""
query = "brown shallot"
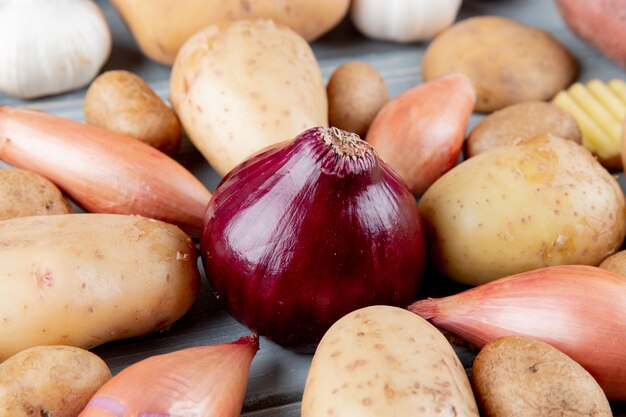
(206, 381)
(580, 310)
(102, 171)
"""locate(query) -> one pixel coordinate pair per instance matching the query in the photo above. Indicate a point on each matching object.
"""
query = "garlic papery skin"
(50, 46)
(403, 20)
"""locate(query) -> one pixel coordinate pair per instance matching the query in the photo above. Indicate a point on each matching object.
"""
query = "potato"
(23, 193)
(385, 361)
(160, 27)
(55, 381)
(507, 62)
(544, 201)
(122, 102)
(356, 92)
(599, 22)
(521, 121)
(518, 376)
(257, 84)
(86, 279)
(615, 263)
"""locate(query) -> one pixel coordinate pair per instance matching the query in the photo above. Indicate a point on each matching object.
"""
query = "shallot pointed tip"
(426, 308)
(249, 340)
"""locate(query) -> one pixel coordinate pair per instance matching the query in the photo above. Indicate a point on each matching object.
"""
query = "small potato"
(54, 381)
(615, 263)
(356, 92)
(386, 361)
(518, 376)
(542, 202)
(23, 193)
(87, 279)
(507, 62)
(122, 102)
(521, 121)
(242, 86)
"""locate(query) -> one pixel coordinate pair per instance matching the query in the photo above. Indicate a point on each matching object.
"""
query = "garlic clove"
(50, 47)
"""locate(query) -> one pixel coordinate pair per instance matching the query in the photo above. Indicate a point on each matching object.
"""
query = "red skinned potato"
(420, 133)
(600, 23)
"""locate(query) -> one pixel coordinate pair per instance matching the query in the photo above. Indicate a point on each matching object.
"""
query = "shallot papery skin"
(207, 381)
(103, 171)
(306, 232)
(580, 310)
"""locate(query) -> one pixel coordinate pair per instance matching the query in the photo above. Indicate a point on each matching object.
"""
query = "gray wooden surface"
(277, 376)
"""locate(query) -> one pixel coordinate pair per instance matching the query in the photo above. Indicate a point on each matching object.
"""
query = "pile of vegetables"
(336, 204)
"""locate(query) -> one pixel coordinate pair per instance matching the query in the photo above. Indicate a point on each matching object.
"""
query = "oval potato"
(257, 83)
(518, 376)
(55, 381)
(23, 193)
(160, 36)
(507, 61)
(521, 121)
(122, 102)
(545, 201)
(386, 361)
(356, 92)
(86, 279)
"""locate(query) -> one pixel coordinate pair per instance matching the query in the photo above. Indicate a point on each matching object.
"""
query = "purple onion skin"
(298, 236)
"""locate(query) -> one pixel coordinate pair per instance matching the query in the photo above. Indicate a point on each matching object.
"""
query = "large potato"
(545, 201)
(86, 279)
(508, 62)
(54, 381)
(518, 376)
(162, 26)
(23, 193)
(385, 361)
(239, 87)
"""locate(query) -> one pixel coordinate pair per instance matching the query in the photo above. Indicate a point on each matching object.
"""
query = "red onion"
(298, 236)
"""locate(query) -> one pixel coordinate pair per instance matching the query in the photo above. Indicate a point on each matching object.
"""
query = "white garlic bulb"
(50, 46)
(403, 20)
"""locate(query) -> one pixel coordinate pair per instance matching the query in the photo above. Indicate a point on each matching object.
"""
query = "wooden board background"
(277, 376)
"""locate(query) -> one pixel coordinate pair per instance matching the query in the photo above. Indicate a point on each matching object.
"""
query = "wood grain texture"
(277, 376)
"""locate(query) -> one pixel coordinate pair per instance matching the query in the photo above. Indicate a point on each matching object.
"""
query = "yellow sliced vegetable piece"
(608, 98)
(594, 138)
(597, 112)
(619, 88)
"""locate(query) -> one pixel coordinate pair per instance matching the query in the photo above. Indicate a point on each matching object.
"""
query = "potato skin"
(507, 62)
(86, 279)
(256, 84)
(386, 361)
(122, 102)
(521, 121)
(518, 376)
(51, 381)
(615, 263)
(23, 193)
(545, 201)
(356, 92)
(160, 36)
